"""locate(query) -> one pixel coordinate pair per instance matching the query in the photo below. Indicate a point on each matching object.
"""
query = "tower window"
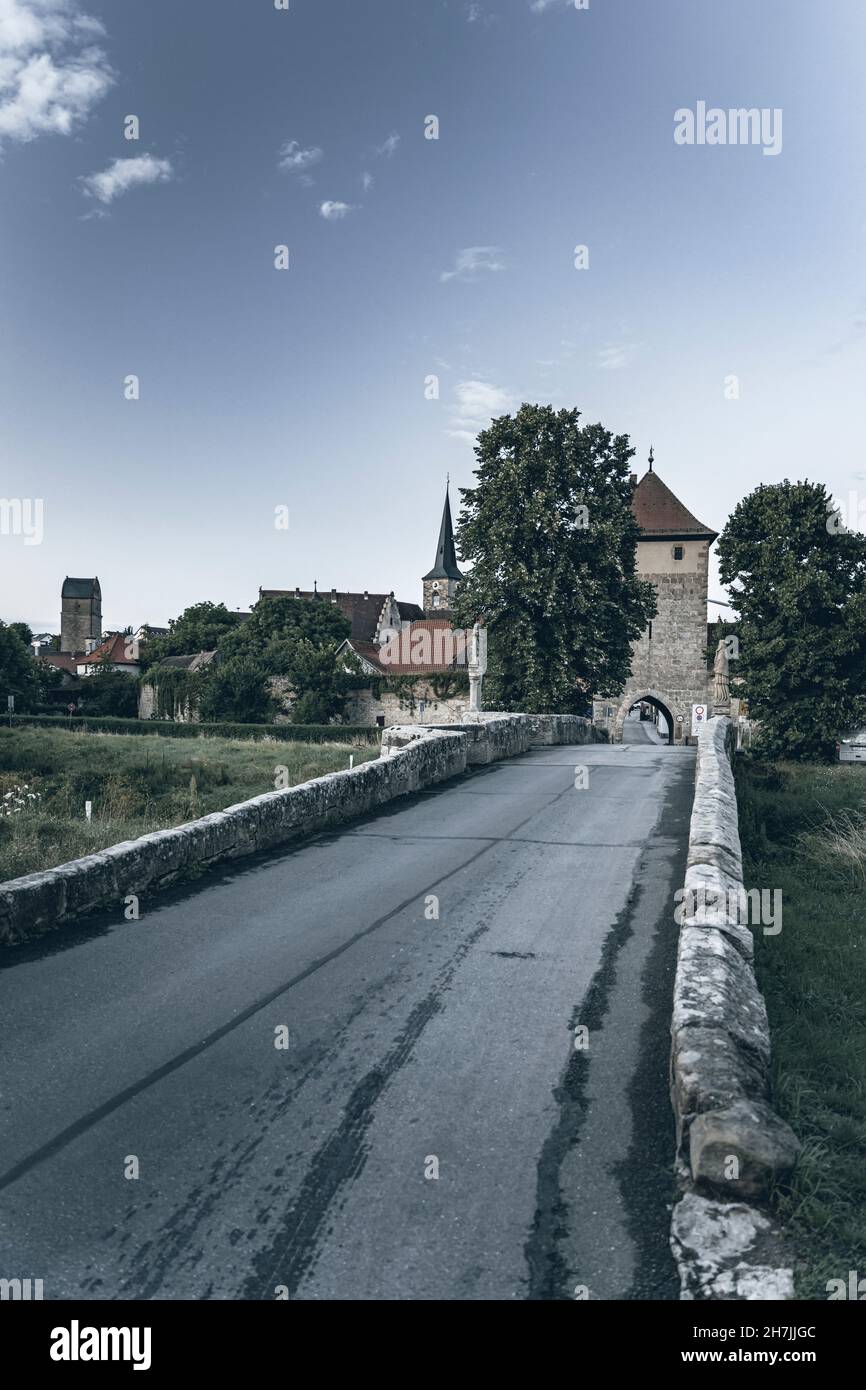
(678, 552)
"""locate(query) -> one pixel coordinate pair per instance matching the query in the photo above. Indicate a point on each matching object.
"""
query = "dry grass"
(136, 783)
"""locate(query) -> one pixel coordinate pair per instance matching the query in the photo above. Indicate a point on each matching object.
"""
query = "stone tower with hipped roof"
(668, 662)
(441, 582)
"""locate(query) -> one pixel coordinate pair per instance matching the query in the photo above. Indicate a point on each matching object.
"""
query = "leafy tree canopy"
(200, 628)
(799, 584)
(19, 675)
(551, 537)
(276, 626)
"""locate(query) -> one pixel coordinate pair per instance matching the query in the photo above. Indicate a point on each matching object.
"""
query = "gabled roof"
(193, 662)
(445, 564)
(662, 516)
(62, 661)
(80, 588)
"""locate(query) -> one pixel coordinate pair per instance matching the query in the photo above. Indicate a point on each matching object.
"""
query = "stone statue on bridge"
(721, 676)
(477, 667)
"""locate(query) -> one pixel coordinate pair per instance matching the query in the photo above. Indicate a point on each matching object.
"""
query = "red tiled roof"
(112, 650)
(661, 515)
(430, 647)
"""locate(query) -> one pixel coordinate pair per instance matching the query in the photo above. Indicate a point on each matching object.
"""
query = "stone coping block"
(731, 1146)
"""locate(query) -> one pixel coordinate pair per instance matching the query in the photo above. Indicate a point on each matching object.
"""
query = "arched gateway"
(662, 703)
(669, 660)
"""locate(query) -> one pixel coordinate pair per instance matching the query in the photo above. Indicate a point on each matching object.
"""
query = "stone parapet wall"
(413, 757)
(38, 902)
(731, 1145)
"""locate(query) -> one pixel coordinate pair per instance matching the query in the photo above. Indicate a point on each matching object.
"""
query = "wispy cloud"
(124, 174)
(476, 14)
(472, 259)
(389, 148)
(332, 212)
(539, 6)
(616, 356)
(297, 160)
(52, 70)
(476, 403)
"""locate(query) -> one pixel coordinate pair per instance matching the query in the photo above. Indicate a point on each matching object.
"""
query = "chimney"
(297, 592)
(632, 477)
(333, 595)
(366, 595)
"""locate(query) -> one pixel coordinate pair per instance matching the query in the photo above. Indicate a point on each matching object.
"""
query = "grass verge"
(135, 783)
(803, 831)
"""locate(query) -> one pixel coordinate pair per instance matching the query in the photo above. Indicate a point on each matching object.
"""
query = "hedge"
(166, 728)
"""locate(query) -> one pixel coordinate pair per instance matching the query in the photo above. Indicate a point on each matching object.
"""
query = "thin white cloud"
(539, 6)
(616, 356)
(389, 148)
(332, 212)
(52, 72)
(124, 174)
(472, 259)
(296, 160)
(476, 404)
(366, 182)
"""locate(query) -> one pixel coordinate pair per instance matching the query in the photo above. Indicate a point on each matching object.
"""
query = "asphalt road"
(430, 1131)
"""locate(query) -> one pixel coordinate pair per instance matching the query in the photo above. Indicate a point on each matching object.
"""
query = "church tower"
(441, 582)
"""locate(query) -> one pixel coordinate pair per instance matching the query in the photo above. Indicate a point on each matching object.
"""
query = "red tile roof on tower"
(662, 516)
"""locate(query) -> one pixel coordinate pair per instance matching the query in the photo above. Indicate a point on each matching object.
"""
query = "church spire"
(440, 583)
(445, 564)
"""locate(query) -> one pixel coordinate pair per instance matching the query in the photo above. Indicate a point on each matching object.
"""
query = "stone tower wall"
(80, 620)
(446, 591)
(671, 664)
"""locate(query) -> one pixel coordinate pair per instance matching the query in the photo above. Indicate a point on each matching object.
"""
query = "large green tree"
(109, 692)
(19, 674)
(798, 580)
(294, 638)
(276, 626)
(551, 538)
(236, 690)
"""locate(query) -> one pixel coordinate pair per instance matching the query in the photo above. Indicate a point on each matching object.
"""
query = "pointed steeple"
(445, 564)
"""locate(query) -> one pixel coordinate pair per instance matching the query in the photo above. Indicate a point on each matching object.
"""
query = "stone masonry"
(669, 666)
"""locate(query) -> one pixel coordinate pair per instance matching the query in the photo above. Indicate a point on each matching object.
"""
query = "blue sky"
(305, 388)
